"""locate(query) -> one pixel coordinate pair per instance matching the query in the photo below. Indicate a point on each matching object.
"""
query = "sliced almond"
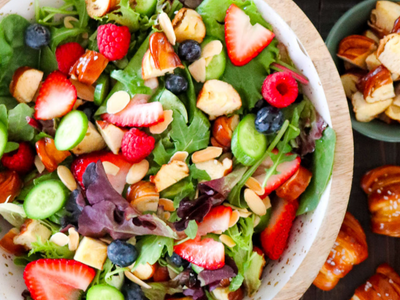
(67, 178)
(137, 172)
(106, 240)
(167, 204)
(227, 240)
(257, 220)
(235, 216)
(267, 202)
(84, 91)
(255, 186)
(239, 209)
(110, 168)
(144, 271)
(179, 156)
(136, 280)
(210, 50)
(206, 154)
(118, 102)
(68, 20)
(39, 164)
(162, 126)
(166, 26)
(254, 202)
(151, 83)
(73, 237)
(198, 70)
(244, 214)
(59, 239)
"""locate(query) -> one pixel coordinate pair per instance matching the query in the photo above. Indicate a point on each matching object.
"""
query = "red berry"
(113, 41)
(136, 145)
(21, 160)
(67, 55)
(216, 220)
(280, 89)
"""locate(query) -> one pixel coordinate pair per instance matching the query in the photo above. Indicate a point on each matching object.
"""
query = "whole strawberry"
(67, 55)
(113, 41)
(21, 160)
(136, 145)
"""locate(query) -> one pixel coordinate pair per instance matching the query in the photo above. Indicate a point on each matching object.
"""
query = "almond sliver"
(59, 239)
(211, 49)
(206, 154)
(73, 237)
(234, 218)
(110, 168)
(198, 70)
(180, 156)
(254, 202)
(39, 164)
(167, 204)
(227, 240)
(162, 126)
(118, 102)
(255, 185)
(166, 26)
(137, 172)
(136, 280)
(67, 178)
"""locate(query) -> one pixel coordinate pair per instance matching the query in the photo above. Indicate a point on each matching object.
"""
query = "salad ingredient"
(71, 131)
(206, 253)
(57, 97)
(136, 145)
(218, 98)
(10, 186)
(189, 50)
(215, 58)
(143, 196)
(132, 291)
(269, 120)
(145, 7)
(45, 199)
(280, 89)
(101, 90)
(67, 55)
(177, 261)
(167, 28)
(89, 67)
(167, 204)
(144, 271)
(255, 203)
(21, 160)
(179, 155)
(67, 178)
(162, 126)
(110, 168)
(7, 243)
(244, 41)
(198, 70)
(170, 174)
(188, 25)
(91, 252)
(137, 172)
(92, 142)
(384, 16)
(113, 41)
(206, 154)
(224, 293)
(111, 134)
(84, 92)
(366, 112)
(59, 239)
(137, 114)
(161, 274)
(274, 237)
(104, 292)
(283, 67)
(222, 131)
(25, 83)
(296, 185)
(211, 48)
(117, 102)
(121, 253)
(49, 155)
(355, 49)
(99, 8)
(59, 279)
(248, 145)
(215, 168)
(217, 220)
(37, 36)
(255, 185)
(227, 240)
(377, 85)
(73, 239)
(176, 84)
(31, 232)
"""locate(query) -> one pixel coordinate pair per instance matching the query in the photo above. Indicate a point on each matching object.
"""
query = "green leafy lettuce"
(50, 250)
(151, 248)
(110, 274)
(159, 290)
(18, 127)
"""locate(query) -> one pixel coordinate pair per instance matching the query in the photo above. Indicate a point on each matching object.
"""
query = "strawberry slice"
(207, 253)
(118, 181)
(285, 170)
(243, 40)
(137, 114)
(50, 279)
(57, 97)
(216, 220)
(274, 238)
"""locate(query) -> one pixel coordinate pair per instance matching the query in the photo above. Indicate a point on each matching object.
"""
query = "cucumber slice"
(104, 292)
(248, 145)
(216, 67)
(3, 138)
(71, 131)
(146, 7)
(45, 199)
(102, 89)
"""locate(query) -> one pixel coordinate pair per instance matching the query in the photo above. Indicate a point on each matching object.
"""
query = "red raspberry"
(113, 41)
(280, 89)
(136, 145)
(21, 160)
(67, 55)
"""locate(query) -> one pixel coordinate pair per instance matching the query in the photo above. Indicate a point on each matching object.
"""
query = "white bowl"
(306, 227)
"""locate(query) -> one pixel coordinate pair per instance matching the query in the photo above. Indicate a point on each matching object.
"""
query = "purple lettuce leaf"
(195, 293)
(212, 278)
(74, 206)
(311, 130)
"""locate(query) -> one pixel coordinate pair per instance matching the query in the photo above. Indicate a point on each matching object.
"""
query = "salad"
(152, 150)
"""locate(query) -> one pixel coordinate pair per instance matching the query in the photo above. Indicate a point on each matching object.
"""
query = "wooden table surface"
(368, 154)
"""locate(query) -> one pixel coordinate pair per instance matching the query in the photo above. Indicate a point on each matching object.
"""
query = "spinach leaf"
(10, 147)
(13, 52)
(323, 158)
(48, 61)
(9, 102)
(191, 230)
(133, 83)
(58, 35)
(18, 127)
(151, 248)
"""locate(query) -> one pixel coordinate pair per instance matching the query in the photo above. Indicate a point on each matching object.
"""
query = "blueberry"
(121, 253)
(260, 104)
(89, 109)
(132, 291)
(189, 50)
(178, 261)
(177, 84)
(269, 120)
(37, 36)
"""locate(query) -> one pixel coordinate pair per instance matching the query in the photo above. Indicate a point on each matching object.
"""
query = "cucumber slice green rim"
(216, 68)
(45, 199)
(248, 145)
(102, 89)
(146, 7)
(3, 138)
(104, 292)
(71, 131)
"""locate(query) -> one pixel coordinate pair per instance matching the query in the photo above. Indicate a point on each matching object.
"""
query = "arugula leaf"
(80, 7)
(125, 16)
(198, 174)
(151, 248)
(50, 250)
(10, 147)
(322, 166)
(58, 35)
(191, 230)
(159, 290)
(18, 127)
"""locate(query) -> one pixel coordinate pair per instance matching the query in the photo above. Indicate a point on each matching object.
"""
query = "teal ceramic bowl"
(355, 22)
